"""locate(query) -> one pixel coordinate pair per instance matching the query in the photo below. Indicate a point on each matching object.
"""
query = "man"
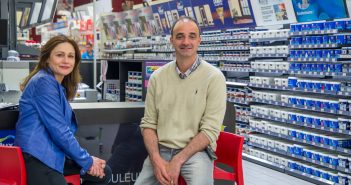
(184, 110)
(89, 53)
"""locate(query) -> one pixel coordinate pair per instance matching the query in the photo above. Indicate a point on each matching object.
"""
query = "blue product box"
(292, 82)
(301, 135)
(334, 161)
(348, 25)
(292, 100)
(318, 104)
(318, 85)
(317, 121)
(308, 154)
(298, 53)
(334, 178)
(309, 85)
(309, 121)
(318, 26)
(292, 67)
(302, 168)
(341, 39)
(338, 68)
(328, 86)
(325, 175)
(325, 140)
(306, 40)
(316, 156)
(326, 39)
(319, 39)
(307, 67)
(318, 53)
(332, 39)
(309, 170)
(329, 25)
(310, 103)
(320, 67)
(301, 84)
(293, 54)
(300, 101)
(340, 25)
(317, 172)
(306, 27)
(292, 165)
(290, 150)
(293, 133)
(326, 53)
(7, 137)
(336, 87)
(337, 52)
(325, 123)
(292, 27)
(326, 159)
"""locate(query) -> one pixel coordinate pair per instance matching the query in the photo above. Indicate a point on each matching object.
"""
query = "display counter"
(90, 113)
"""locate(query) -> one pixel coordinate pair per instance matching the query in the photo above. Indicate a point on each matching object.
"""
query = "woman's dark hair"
(70, 82)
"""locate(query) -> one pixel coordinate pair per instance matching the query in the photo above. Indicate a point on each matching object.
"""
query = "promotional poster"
(150, 67)
(132, 23)
(108, 28)
(161, 16)
(273, 12)
(314, 10)
(223, 14)
(119, 25)
(148, 26)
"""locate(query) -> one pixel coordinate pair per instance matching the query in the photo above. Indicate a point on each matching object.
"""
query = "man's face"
(186, 38)
(88, 48)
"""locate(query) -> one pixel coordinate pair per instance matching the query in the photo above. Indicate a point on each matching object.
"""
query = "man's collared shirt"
(190, 70)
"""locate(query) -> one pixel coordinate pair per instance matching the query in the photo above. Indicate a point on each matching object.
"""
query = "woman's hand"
(97, 168)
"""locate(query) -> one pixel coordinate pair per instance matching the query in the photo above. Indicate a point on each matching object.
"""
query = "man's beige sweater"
(178, 109)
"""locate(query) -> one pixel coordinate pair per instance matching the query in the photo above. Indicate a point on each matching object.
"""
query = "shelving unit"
(277, 117)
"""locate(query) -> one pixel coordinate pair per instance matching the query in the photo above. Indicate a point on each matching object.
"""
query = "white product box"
(284, 82)
(267, 80)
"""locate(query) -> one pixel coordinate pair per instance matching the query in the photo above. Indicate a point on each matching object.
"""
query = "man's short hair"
(184, 18)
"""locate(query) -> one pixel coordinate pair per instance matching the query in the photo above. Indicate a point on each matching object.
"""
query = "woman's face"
(62, 60)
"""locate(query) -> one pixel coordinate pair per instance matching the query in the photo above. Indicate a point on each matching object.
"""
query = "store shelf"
(307, 177)
(313, 59)
(236, 84)
(264, 163)
(331, 148)
(283, 169)
(315, 46)
(224, 48)
(235, 101)
(275, 39)
(284, 88)
(224, 38)
(312, 73)
(285, 153)
(321, 32)
(127, 49)
(301, 107)
(332, 130)
(267, 55)
(270, 71)
(239, 119)
(231, 69)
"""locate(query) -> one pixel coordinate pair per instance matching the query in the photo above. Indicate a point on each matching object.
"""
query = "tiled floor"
(258, 175)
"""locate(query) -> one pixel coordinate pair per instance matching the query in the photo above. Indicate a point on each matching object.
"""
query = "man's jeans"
(198, 170)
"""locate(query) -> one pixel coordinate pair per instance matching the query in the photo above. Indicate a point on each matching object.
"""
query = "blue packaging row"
(312, 102)
(319, 53)
(318, 67)
(320, 26)
(320, 139)
(313, 171)
(314, 85)
(325, 39)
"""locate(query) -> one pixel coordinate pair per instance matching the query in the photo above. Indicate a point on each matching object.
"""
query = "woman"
(46, 125)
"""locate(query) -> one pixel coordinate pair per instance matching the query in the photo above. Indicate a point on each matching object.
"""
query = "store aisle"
(258, 175)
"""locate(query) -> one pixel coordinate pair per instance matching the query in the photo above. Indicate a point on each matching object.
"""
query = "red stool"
(13, 171)
(229, 152)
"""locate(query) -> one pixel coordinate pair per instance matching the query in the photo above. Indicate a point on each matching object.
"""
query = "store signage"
(273, 12)
(314, 10)
(7, 137)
